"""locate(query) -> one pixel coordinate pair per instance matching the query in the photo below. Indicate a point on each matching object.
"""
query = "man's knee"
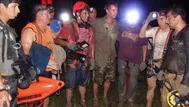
(151, 87)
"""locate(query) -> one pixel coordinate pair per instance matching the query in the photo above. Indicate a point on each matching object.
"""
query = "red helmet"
(79, 6)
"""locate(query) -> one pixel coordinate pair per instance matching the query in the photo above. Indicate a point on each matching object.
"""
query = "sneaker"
(107, 103)
(95, 103)
(83, 104)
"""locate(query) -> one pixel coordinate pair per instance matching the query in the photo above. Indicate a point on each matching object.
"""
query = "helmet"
(78, 6)
(55, 26)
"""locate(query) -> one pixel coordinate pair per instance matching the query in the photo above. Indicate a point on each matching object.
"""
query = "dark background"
(144, 6)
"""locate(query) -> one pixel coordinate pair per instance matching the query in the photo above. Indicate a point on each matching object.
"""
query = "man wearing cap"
(9, 9)
(106, 32)
(160, 37)
(40, 32)
(71, 35)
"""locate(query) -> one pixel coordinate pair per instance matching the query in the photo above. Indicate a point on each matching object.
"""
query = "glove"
(183, 90)
(71, 46)
(160, 75)
(143, 66)
(92, 64)
(150, 16)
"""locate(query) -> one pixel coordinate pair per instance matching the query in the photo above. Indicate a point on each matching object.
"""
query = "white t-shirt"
(158, 41)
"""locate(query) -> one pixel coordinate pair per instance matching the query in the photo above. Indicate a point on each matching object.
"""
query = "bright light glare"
(154, 15)
(65, 17)
(132, 16)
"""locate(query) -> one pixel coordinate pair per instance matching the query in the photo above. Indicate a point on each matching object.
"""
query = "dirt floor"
(140, 100)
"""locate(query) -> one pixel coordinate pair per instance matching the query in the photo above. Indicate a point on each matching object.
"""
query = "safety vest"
(45, 39)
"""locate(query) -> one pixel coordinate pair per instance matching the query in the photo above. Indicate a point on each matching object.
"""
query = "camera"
(73, 55)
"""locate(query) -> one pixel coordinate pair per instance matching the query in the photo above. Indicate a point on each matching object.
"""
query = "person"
(132, 52)
(8, 81)
(59, 52)
(92, 15)
(40, 32)
(176, 61)
(71, 35)
(106, 32)
(160, 37)
(51, 12)
(5, 97)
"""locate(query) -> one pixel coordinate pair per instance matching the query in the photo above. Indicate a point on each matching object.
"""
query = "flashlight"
(91, 9)
(65, 17)
(155, 15)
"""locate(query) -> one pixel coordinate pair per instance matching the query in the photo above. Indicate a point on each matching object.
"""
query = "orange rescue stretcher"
(38, 91)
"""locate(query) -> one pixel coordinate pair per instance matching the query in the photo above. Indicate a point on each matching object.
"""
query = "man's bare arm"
(143, 30)
(144, 52)
(27, 38)
(1, 82)
(60, 42)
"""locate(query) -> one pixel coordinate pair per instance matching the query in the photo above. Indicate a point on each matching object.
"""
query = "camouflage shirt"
(105, 37)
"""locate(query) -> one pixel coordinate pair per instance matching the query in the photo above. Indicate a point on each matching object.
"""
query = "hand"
(5, 98)
(143, 66)
(150, 16)
(71, 46)
(160, 75)
(183, 90)
(92, 64)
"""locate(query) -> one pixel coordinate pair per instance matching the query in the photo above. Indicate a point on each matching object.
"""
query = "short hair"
(163, 12)
(7, 2)
(37, 8)
(178, 10)
(111, 2)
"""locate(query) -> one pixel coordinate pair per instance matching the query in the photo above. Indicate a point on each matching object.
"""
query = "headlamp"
(132, 16)
(65, 17)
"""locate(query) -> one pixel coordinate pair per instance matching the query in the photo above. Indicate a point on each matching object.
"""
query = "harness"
(11, 44)
(22, 66)
(152, 68)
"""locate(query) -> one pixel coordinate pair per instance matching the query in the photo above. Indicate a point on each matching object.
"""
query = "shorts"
(100, 74)
(76, 76)
(12, 82)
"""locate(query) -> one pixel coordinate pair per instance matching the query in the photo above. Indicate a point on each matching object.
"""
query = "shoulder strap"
(167, 39)
(3, 42)
(39, 36)
(75, 31)
(156, 33)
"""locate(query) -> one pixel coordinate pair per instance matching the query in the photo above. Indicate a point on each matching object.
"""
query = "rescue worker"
(92, 14)
(9, 9)
(160, 37)
(75, 32)
(106, 32)
(176, 61)
(132, 52)
(40, 32)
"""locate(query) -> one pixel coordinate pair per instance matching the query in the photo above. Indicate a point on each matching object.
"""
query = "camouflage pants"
(101, 74)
